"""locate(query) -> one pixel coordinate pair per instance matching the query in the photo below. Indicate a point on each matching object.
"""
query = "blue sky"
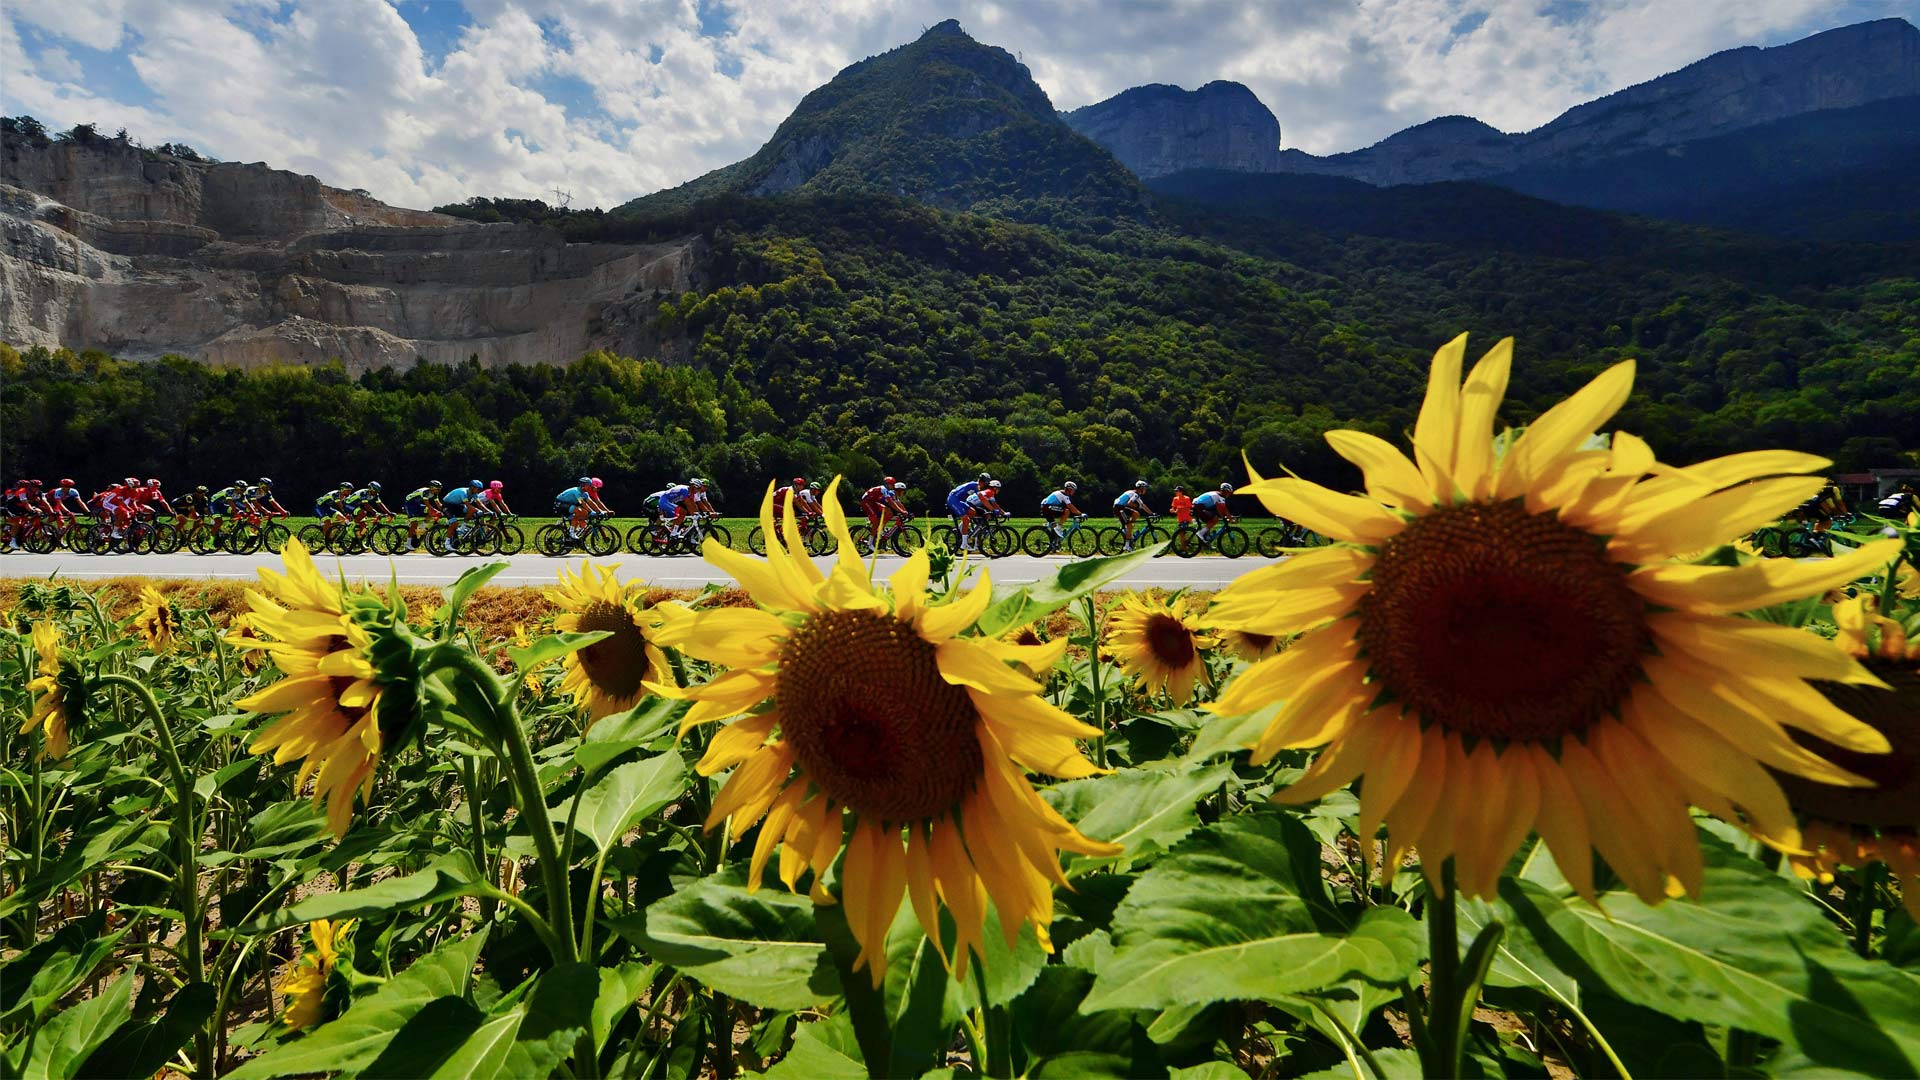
(429, 101)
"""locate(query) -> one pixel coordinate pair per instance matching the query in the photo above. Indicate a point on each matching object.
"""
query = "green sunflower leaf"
(761, 947)
(1144, 811)
(1239, 912)
(625, 796)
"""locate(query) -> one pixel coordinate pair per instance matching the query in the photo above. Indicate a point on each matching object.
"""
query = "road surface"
(674, 572)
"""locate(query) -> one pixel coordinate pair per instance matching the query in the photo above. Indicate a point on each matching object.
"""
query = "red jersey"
(1182, 506)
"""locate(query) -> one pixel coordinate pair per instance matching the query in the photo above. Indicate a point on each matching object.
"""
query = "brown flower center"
(1502, 624)
(617, 663)
(1894, 800)
(1169, 640)
(871, 721)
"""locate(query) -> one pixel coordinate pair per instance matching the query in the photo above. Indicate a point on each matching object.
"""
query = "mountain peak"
(943, 119)
(1160, 129)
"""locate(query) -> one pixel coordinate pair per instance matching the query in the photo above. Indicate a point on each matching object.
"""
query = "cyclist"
(1058, 507)
(1900, 503)
(1130, 507)
(699, 503)
(957, 504)
(463, 500)
(193, 507)
(882, 501)
(673, 505)
(64, 494)
(367, 502)
(263, 501)
(149, 497)
(115, 506)
(1181, 504)
(983, 506)
(574, 504)
(422, 506)
(792, 496)
(494, 500)
(331, 507)
(224, 502)
(23, 504)
(1209, 507)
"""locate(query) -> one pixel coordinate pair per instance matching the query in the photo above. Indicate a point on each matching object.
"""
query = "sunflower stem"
(1093, 675)
(185, 836)
(993, 1030)
(1866, 901)
(1441, 1045)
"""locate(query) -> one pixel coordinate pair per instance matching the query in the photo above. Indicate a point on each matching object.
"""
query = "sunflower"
(1160, 644)
(305, 983)
(55, 709)
(156, 621)
(869, 702)
(530, 678)
(341, 713)
(1852, 827)
(1246, 645)
(1501, 642)
(609, 675)
(245, 642)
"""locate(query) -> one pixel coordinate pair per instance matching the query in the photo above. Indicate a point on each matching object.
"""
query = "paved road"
(530, 569)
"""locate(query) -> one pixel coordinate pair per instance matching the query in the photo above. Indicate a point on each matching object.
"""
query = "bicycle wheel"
(1083, 542)
(438, 543)
(40, 541)
(719, 532)
(1272, 542)
(274, 537)
(819, 541)
(313, 536)
(1149, 536)
(1113, 541)
(509, 540)
(602, 541)
(908, 539)
(386, 539)
(201, 539)
(757, 540)
(862, 537)
(165, 540)
(1232, 542)
(944, 536)
(1039, 540)
(1000, 542)
(638, 540)
(550, 540)
(1187, 543)
(243, 538)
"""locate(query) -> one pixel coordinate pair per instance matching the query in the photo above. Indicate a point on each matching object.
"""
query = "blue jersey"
(1128, 500)
(1058, 498)
(456, 499)
(573, 496)
(671, 498)
(1210, 501)
(963, 492)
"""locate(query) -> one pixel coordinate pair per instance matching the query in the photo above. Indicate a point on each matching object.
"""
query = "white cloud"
(343, 89)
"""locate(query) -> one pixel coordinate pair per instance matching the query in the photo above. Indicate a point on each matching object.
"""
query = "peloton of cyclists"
(24, 502)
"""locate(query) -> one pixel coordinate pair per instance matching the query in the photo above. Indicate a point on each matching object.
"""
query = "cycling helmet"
(1181, 488)
(889, 482)
(1140, 485)
(1069, 486)
(585, 481)
(595, 482)
(697, 482)
(151, 482)
(994, 484)
(475, 485)
(799, 481)
(898, 486)
(373, 485)
(266, 481)
(1226, 489)
(131, 481)
(497, 486)
(815, 486)
(983, 478)
(434, 484)
(201, 488)
(66, 483)
(345, 485)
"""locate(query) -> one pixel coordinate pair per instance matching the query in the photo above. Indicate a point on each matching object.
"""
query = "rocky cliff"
(1724, 93)
(1158, 130)
(106, 245)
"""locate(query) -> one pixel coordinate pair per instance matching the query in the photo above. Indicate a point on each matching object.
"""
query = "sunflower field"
(1532, 772)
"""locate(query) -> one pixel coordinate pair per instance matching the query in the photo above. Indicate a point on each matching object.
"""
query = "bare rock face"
(104, 245)
(1158, 129)
(1726, 92)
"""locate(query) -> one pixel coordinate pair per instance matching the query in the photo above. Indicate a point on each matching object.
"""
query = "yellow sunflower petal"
(1436, 431)
(1562, 428)
(1389, 476)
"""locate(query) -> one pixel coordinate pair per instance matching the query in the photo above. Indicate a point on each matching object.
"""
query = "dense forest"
(864, 334)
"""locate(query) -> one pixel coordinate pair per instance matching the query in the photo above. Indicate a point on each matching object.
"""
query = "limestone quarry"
(111, 246)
